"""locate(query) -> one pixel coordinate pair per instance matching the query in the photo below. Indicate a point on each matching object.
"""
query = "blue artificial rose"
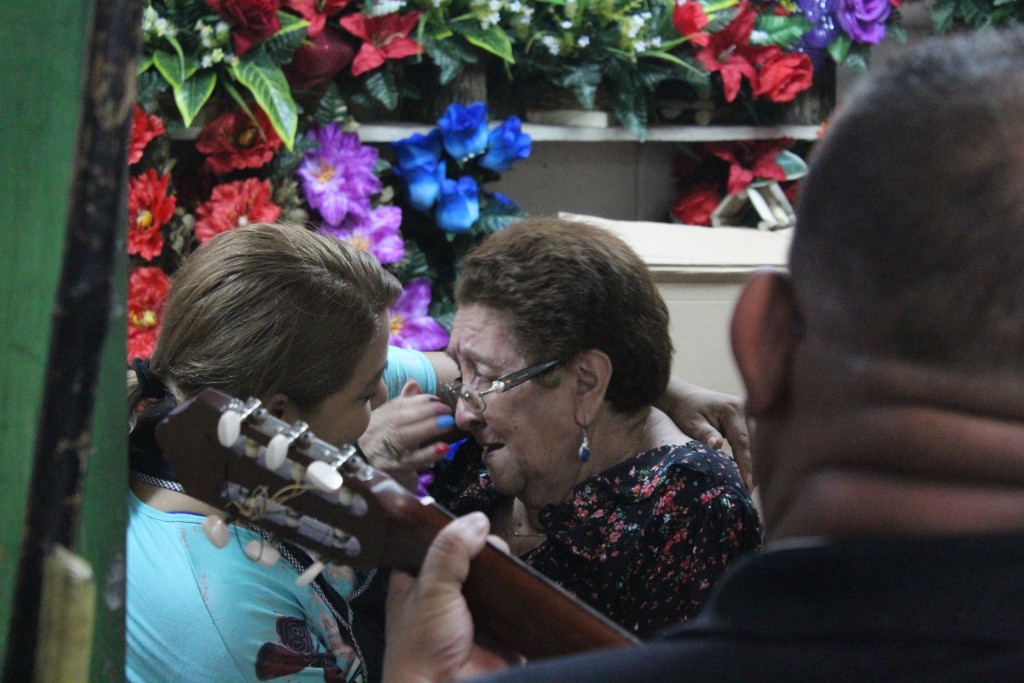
(505, 144)
(417, 149)
(459, 204)
(464, 130)
(422, 183)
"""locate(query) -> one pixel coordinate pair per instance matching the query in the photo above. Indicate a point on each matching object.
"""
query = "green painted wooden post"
(43, 57)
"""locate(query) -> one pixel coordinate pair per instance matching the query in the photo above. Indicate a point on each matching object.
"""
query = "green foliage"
(450, 57)
(283, 44)
(272, 93)
(492, 39)
(332, 106)
(383, 87)
(783, 30)
(193, 94)
(951, 15)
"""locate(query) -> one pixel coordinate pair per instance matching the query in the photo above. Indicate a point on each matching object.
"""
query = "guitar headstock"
(239, 458)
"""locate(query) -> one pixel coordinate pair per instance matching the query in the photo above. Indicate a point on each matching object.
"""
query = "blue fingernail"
(445, 421)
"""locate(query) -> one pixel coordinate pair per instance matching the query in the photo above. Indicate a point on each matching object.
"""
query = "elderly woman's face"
(528, 433)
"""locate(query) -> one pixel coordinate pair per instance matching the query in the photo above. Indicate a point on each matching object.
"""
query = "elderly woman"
(562, 341)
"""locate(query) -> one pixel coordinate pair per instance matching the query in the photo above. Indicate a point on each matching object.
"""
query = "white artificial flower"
(758, 37)
(583, 41)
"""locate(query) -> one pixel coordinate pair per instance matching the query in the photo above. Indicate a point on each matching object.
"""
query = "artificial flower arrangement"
(199, 168)
(712, 175)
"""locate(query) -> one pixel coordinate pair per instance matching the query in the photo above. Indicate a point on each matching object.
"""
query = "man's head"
(906, 267)
(911, 237)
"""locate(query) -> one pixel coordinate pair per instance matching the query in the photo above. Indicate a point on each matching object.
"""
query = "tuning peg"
(312, 571)
(321, 475)
(253, 448)
(262, 553)
(216, 531)
(277, 450)
(357, 504)
(229, 428)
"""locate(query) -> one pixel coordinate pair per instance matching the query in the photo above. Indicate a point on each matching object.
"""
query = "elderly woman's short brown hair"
(568, 287)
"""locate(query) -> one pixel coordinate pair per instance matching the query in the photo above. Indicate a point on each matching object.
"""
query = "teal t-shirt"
(406, 364)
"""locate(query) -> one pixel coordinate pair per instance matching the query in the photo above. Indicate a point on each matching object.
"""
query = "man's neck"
(874, 448)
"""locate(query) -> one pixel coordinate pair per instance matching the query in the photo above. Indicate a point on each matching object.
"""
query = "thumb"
(411, 388)
(447, 561)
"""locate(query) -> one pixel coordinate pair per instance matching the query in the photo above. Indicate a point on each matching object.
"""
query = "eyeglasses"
(474, 397)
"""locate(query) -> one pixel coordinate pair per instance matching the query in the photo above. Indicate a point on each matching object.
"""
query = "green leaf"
(856, 61)
(270, 89)
(382, 86)
(839, 48)
(332, 106)
(450, 56)
(692, 72)
(784, 31)
(170, 66)
(493, 39)
(283, 44)
(239, 100)
(144, 63)
(193, 94)
(792, 165)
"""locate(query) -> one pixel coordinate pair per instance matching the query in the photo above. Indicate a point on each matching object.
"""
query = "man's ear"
(765, 331)
(590, 373)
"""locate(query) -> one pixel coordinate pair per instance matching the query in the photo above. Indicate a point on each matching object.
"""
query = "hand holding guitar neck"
(237, 457)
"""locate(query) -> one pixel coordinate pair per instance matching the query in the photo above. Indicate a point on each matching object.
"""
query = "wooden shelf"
(387, 132)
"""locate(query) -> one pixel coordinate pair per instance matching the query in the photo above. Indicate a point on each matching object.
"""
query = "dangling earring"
(585, 446)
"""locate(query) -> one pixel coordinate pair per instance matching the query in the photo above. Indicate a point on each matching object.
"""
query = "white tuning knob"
(216, 531)
(307, 577)
(321, 475)
(229, 428)
(277, 450)
(262, 553)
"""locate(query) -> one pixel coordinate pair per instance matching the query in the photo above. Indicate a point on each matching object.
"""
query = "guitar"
(238, 458)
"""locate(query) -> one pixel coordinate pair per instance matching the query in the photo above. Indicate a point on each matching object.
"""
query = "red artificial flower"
(233, 140)
(147, 289)
(791, 190)
(316, 12)
(729, 53)
(750, 159)
(318, 61)
(233, 205)
(782, 76)
(689, 19)
(149, 208)
(251, 20)
(694, 205)
(384, 37)
(145, 127)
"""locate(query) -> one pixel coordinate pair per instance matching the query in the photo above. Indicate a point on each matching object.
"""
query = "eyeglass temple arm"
(509, 381)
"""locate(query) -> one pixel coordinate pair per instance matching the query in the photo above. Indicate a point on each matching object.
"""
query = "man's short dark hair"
(910, 236)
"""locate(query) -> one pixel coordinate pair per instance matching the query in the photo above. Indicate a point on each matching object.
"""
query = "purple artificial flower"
(464, 130)
(337, 174)
(417, 149)
(377, 234)
(815, 42)
(411, 327)
(422, 183)
(863, 20)
(505, 144)
(458, 207)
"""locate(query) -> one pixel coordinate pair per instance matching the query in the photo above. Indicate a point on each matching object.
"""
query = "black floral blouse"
(644, 541)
